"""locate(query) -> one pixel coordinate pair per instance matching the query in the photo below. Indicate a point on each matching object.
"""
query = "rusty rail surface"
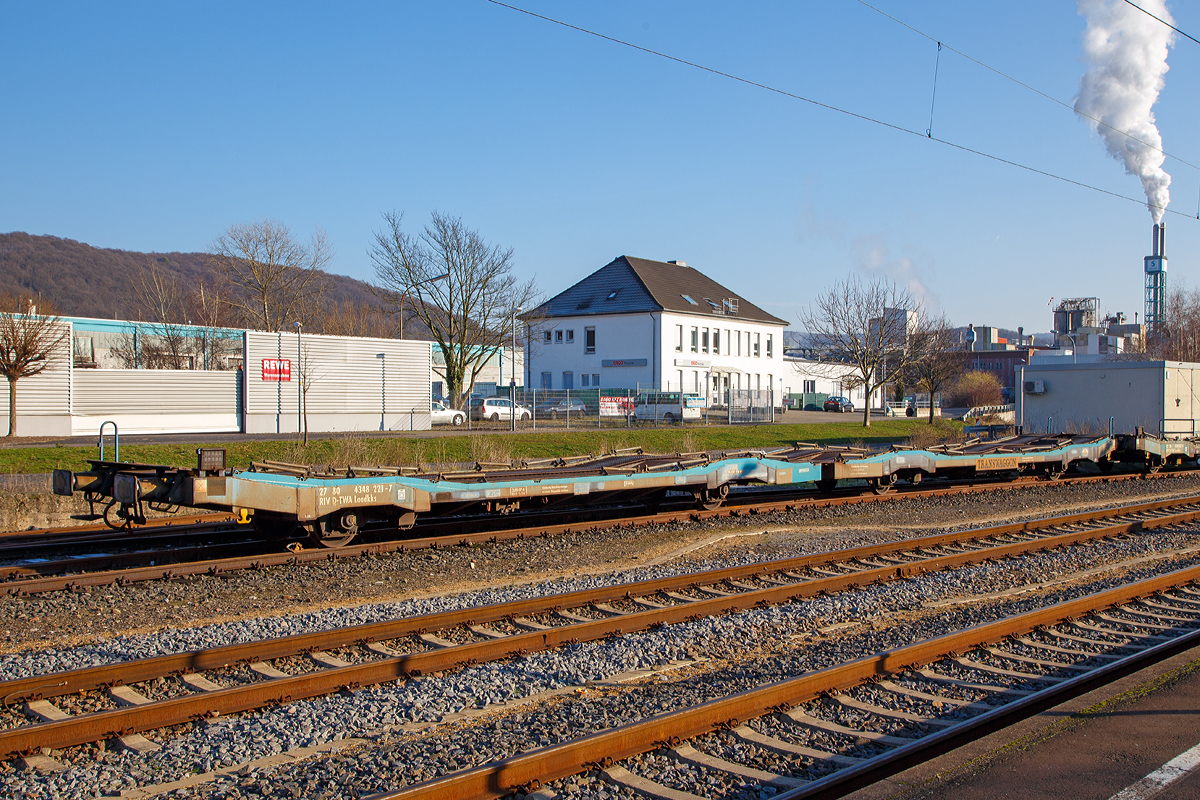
(24, 584)
(91, 727)
(527, 771)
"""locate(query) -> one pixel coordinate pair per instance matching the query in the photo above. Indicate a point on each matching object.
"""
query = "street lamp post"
(299, 382)
(512, 381)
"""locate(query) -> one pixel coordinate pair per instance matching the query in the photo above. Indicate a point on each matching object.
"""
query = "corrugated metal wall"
(354, 383)
(43, 400)
(157, 400)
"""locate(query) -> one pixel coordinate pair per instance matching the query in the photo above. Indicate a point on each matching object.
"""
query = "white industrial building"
(350, 383)
(641, 324)
(1159, 396)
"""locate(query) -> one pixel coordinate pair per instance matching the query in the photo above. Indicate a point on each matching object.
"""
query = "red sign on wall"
(277, 369)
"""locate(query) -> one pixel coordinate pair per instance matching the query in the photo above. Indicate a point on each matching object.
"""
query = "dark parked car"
(839, 404)
(560, 406)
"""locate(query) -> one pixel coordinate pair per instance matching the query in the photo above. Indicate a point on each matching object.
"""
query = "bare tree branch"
(27, 340)
(273, 278)
(868, 326)
(942, 358)
(459, 286)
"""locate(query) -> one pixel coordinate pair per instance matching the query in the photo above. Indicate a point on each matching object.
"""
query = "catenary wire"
(1163, 21)
(1024, 85)
(827, 106)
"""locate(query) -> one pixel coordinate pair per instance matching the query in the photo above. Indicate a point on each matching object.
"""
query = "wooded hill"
(85, 281)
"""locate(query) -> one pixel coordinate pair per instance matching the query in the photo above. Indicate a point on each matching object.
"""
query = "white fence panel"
(43, 400)
(352, 383)
(157, 400)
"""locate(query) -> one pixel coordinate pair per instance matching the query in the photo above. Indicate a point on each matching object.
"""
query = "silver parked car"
(446, 416)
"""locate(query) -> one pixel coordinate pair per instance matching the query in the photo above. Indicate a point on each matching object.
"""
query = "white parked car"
(446, 416)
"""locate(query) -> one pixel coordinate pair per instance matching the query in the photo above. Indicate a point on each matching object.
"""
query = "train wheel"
(334, 530)
(826, 485)
(1153, 466)
(884, 484)
(1105, 465)
(712, 499)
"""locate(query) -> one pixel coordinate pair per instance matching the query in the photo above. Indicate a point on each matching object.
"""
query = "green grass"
(397, 450)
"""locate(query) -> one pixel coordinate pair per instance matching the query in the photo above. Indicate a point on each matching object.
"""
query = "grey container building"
(1162, 397)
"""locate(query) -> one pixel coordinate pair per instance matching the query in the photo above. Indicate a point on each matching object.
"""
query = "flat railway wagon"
(333, 506)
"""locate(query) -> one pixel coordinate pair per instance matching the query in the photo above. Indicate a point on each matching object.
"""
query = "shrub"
(975, 389)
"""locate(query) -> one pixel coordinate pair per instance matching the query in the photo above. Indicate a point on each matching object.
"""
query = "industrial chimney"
(1156, 285)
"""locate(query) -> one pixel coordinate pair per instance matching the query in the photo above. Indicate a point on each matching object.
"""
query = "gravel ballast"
(733, 652)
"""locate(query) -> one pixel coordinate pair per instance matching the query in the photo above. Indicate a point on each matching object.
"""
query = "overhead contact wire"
(932, 103)
(1163, 21)
(827, 106)
(1033, 89)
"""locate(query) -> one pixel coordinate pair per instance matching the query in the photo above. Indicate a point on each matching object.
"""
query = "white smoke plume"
(1126, 53)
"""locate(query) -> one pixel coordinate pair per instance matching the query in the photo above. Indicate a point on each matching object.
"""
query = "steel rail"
(35, 585)
(90, 727)
(530, 770)
(216, 657)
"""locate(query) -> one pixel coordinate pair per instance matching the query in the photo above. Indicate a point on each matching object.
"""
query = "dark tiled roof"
(627, 285)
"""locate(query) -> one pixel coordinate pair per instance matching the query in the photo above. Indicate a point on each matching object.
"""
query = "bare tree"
(273, 278)
(160, 295)
(27, 340)
(344, 318)
(869, 326)
(942, 358)
(459, 286)
(210, 320)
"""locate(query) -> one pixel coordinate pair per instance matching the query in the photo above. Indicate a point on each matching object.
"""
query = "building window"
(546, 377)
(726, 341)
(810, 387)
(770, 342)
(695, 340)
(678, 338)
(558, 337)
(589, 339)
(704, 341)
(84, 352)
(585, 379)
(571, 337)
(716, 341)
(738, 334)
(595, 379)
(757, 342)
(547, 337)
(568, 380)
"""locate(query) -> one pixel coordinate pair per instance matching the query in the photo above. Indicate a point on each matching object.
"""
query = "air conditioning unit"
(1035, 387)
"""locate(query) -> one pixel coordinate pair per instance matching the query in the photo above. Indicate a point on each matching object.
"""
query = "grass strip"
(404, 449)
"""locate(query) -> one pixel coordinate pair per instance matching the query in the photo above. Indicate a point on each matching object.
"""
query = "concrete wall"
(354, 383)
(1160, 396)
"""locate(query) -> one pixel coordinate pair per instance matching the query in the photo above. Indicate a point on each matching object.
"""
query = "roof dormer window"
(690, 300)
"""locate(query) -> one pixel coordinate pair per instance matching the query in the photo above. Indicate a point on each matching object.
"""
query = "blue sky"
(154, 126)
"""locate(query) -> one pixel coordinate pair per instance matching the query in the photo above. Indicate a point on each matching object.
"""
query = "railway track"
(828, 732)
(124, 698)
(35, 577)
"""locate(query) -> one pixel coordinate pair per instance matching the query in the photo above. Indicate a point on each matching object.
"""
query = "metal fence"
(747, 406)
(572, 409)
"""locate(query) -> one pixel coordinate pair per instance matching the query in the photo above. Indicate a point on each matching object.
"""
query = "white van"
(667, 406)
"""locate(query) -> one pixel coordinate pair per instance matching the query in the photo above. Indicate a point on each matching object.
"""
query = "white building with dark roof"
(640, 324)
